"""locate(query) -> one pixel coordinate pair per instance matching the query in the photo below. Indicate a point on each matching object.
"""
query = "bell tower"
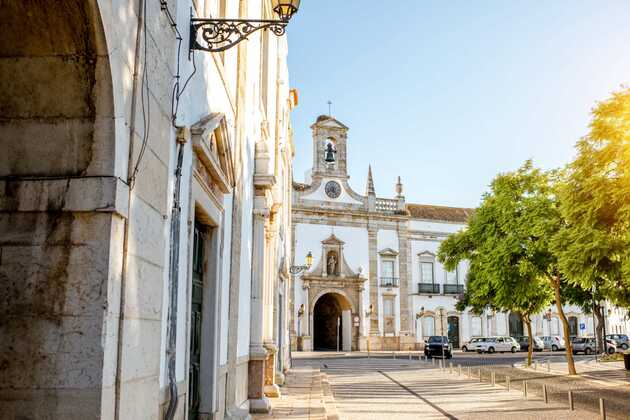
(329, 148)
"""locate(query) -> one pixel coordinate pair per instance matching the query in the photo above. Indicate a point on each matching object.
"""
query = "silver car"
(588, 345)
(621, 340)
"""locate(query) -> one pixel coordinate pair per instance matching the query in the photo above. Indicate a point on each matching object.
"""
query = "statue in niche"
(331, 264)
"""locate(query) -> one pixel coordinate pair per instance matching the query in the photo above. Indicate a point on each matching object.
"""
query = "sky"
(448, 93)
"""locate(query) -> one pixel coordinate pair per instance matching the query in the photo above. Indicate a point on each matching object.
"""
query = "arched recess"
(60, 214)
(332, 321)
(515, 325)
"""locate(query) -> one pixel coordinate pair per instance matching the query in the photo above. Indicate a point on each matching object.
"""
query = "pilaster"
(404, 271)
(373, 272)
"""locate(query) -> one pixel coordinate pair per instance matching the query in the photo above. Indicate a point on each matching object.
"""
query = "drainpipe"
(171, 345)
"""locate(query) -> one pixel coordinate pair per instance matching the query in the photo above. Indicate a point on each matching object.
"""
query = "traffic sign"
(582, 326)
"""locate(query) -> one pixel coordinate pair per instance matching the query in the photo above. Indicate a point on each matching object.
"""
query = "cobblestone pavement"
(377, 388)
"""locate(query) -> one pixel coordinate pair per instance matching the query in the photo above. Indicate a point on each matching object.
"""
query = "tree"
(499, 276)
(593, 245)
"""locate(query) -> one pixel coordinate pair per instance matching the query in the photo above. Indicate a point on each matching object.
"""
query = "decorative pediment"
(426, 254)
(333, 240)
(213, 148)
(388, 252)
(326, 121)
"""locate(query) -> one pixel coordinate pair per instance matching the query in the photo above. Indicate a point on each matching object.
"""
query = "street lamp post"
(419, 316)
(441, 312)
(368, 314)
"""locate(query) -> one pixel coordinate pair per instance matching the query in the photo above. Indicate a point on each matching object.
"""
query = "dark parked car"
(523, 341)
(438, 346)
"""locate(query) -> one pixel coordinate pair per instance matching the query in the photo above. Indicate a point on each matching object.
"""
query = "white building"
(144, 212)
(375, 275)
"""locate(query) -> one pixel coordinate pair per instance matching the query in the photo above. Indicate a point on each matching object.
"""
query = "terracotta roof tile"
(449, 214)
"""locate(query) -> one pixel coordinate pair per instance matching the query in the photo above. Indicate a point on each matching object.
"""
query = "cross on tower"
(329, 108)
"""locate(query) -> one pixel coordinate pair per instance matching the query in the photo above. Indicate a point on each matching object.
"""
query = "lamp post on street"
(368, 314)
(441, 313)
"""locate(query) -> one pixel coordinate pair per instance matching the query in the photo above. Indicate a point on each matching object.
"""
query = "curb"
(329, 399)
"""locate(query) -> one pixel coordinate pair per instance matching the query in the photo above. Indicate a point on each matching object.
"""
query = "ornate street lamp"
(297, 269)
(217, 35)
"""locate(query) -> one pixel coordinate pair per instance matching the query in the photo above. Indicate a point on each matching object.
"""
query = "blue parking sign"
(582, 326)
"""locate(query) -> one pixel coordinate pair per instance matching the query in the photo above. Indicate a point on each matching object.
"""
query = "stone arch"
(332, 322)
(345, 299)
(61, 210)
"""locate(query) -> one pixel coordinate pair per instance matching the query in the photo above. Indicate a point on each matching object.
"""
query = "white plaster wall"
(225, 280)
(433, 226)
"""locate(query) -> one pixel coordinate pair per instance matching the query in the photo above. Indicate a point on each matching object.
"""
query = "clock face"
(333, 189)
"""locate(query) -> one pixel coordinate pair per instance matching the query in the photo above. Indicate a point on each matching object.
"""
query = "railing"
(429, 288)
(386, 205)
(389, 281)
(453, 289)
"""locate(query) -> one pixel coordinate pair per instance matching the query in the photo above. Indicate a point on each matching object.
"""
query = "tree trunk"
(555, 282)
(598, 311)
(530, 339)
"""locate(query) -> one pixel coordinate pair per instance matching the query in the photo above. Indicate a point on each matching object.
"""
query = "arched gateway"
(332, 323)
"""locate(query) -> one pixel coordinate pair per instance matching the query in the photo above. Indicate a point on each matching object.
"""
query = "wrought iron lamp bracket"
(297, 269)
(221, 34)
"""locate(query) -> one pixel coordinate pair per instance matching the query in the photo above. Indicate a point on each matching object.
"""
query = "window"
(426, 272)
(388, 307)
(388, 273)
(452, 277)
(428, 326)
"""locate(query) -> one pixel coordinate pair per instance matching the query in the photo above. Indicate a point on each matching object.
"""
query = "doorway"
(327, 324)
(516, 325)
(453, 331)
(196, 309)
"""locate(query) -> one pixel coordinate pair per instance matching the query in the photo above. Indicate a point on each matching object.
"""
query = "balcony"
(453, 289)
(428, 289)
(389, 281)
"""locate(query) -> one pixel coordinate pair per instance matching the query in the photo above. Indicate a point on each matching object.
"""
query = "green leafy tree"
(500, 275)
(593, 245)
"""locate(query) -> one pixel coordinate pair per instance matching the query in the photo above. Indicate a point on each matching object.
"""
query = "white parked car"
(497, 344)
(470, 344)
(553, 342)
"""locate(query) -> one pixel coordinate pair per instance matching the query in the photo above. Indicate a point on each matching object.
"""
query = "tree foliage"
(593, 246)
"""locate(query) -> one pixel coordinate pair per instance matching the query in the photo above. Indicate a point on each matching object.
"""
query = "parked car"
(588, 345)
(470, 344)
(553, 342)
(438, 346)
(523, 341)
(621, 340)
(494, 344)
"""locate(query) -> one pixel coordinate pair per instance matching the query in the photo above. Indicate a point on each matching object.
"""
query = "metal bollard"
(394, 355)
(548, 366)
(493, 378)
(507, 382)
(602, 409)
(409, 355)
(525, 389)
(535, 364)
(545, 395)
(571, 408)
(480, 377)
(460, 370)
(450, 367)
(469, 372)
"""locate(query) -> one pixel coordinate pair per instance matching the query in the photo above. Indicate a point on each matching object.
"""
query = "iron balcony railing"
(453, 289)
(429, 288)
(389, 281)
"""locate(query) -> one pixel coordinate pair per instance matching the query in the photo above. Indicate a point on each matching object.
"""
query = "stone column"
(306, 339)
(257, 352)
(373, 273)
(404, 271)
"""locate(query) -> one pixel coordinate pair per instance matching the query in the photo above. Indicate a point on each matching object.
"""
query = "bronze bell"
(330, 153)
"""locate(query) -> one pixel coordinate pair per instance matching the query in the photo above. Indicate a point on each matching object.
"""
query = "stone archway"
(61, 217)
(332, 323)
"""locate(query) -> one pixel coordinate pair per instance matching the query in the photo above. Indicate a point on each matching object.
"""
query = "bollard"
(450, 367)
(469, 372)
(545, 395)
(525, 389)
(548, 366)
(480, 377)
(493, 378)
(409, 355)
(535, 364)
(433, 361)
(507, 382)
(602, 409)
(394, 355)
(571, 401)
(460, 370)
